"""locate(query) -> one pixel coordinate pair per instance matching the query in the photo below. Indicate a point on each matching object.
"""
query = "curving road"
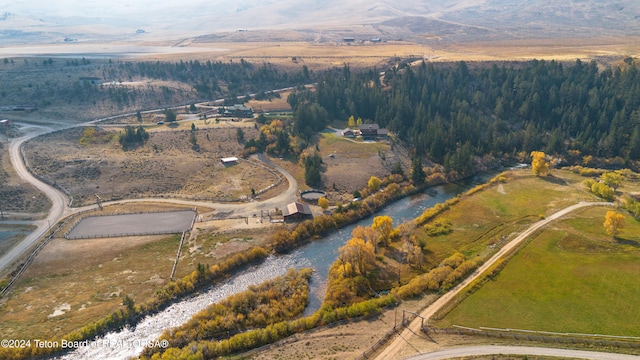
(393, 351)
(520, 350)
(59, 200)
(60, 209)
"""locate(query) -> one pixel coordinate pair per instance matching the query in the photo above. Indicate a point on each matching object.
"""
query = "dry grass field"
(55, 295)
(168, 165)
(17, 197)
(317, 56)
(350, 163)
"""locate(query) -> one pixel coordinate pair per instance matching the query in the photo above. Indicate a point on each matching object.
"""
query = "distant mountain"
(455, 20)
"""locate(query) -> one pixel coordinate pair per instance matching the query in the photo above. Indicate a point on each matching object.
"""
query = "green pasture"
(572, 277)
(485, 220)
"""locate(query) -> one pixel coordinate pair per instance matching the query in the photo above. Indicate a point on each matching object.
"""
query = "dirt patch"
(167, 166)
(341, 341)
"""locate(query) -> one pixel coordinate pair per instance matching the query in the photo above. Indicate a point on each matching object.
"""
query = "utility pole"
(99, 201)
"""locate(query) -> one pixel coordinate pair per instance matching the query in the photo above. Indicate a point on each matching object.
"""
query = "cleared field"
(573, 277)
(350, 163)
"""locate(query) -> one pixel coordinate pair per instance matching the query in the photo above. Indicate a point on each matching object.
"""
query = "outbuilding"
(228, 161)
(297, 211)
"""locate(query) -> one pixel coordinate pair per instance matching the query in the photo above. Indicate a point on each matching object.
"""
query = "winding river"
(318, 255)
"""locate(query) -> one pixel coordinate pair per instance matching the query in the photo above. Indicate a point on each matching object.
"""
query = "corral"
(133, 225)
(312, 195)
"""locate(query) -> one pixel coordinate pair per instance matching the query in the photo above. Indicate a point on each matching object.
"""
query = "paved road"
(395, 348)
(520, 350)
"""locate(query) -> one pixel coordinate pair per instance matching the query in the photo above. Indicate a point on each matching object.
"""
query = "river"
(318, 255)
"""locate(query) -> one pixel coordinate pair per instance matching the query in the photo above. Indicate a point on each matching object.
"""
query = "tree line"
(452, 113)
(279, 299)
(212, 78)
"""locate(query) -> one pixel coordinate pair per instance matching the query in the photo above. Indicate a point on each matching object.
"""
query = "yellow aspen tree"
(359, 254)
(364, 232)
(613, 223)
(539, 165)
(383, 226)
(374, 184)
(351, 123)
(323, 203)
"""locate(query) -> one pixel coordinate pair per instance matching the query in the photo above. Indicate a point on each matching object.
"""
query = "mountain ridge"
(453, 20)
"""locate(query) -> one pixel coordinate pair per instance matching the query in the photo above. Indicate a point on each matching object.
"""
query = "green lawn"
(572, 277)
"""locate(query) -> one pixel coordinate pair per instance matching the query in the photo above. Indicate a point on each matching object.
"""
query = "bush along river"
(318, 255)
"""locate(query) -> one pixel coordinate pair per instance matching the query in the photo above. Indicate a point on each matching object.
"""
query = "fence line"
(542, 336)
(78, 221)
(175, 263)
(101, 236)
(378, 344)
(31, 257)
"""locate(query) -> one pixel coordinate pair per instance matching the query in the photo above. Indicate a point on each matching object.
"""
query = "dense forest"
(455, 113)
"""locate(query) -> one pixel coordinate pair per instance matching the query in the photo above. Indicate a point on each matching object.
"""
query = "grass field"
(350, 163)
(572, 277)
(484, 221)
(56, 296)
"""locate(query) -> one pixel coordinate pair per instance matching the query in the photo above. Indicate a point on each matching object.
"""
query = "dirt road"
(59, 201)
(393, 351)
(60, 207)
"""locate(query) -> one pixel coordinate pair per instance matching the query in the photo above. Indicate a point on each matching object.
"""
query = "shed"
(349, 133)
(297, 211)
(229, 160)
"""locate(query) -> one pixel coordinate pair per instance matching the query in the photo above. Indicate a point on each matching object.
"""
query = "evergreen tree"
(417, 172)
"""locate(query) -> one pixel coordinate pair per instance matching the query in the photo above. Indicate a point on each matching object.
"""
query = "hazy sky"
(108, 8)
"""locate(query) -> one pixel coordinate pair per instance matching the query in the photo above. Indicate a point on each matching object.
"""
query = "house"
(297, 211)
(4, 126)
(349, 39)
(90, 80)
(228, 161)
(372, 131)
(238, 110)
(349, 133)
